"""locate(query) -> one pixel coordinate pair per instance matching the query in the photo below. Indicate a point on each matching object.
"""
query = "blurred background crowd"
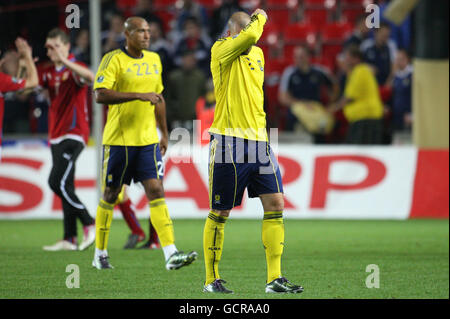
(303, 42)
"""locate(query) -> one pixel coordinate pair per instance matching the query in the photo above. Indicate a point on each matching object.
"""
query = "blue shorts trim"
(123, 164)
(237, 164)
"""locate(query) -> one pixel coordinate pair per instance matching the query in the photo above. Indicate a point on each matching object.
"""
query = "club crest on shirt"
(65, 76)
(260, 65)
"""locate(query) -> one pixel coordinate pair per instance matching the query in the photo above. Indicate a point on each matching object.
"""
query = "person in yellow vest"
(361, 102)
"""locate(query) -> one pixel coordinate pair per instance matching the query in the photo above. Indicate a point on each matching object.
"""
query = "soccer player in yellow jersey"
(129, 82)
(240, 155)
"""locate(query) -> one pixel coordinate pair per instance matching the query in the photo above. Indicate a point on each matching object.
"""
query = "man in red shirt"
(9, 84)
(66, 81)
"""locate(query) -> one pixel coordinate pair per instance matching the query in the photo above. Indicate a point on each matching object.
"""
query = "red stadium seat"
(318, 12)
(333, 36)
(210, 4)
(355, 2)
(164, 4)
(271, 34)
(350, 15)
(281, 16)
(336, 32)
(319, 3)
(281, 4)
(167, 17)
(300, 32)
(274, 67)
(317, 17)
(273, 71)
(330, 52)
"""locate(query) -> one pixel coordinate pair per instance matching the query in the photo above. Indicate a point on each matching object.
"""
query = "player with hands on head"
(240, 155)
(66, 81)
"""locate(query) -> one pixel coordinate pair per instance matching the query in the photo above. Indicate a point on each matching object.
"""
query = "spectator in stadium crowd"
(380, 53)
(145, 9)
(303, 82)
(360, 32)
(81, 47)
(221, 15)
(114, 37)
(9, 83)
(185, 86)
(401, 92)
(361, 102)
(189, 9)
(109, 9)
(194, 39)
(161, 46)
(16, 112)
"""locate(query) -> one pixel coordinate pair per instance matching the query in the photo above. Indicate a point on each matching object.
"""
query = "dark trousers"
(61, 181)
(367, 132)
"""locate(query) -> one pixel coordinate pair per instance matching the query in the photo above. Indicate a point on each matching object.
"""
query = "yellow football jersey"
(238, 84)
(362, 88)
(132, 123)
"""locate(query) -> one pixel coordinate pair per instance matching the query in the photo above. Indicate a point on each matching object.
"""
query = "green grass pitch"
(328, 258)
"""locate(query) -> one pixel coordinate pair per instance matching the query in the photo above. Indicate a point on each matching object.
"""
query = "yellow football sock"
(161, 221)
(103, 224)
(273, 241)
(213, 235)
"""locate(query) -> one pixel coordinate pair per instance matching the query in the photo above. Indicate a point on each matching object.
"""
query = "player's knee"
(54, 183)
(224, 213)
(155, 192)
(276, 204)
(110, 195)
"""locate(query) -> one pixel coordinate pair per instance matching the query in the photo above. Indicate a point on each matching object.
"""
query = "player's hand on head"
(57, 51)
(260, 11)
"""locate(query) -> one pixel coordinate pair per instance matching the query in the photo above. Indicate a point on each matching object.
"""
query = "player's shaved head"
(238, 21)
(137, 33)
(133, 23)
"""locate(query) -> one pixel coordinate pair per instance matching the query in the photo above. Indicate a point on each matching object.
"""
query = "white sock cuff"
(169, 250)
(99, 252)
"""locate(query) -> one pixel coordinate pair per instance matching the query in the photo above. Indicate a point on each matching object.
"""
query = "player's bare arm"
(160, 115)
(26, 58)
(81, 71)
(111, 97)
